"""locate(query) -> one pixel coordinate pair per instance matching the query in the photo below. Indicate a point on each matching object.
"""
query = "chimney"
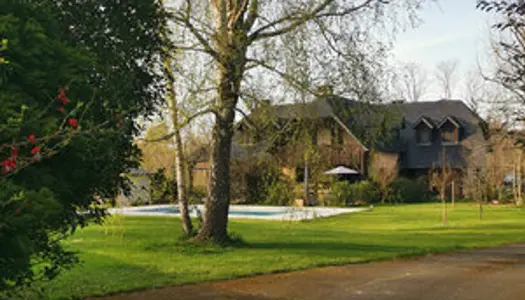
(325, 90)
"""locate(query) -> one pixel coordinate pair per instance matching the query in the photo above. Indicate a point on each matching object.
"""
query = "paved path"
(492, 274)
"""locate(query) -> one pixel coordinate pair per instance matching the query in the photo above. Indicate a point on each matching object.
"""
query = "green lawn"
(143, 252)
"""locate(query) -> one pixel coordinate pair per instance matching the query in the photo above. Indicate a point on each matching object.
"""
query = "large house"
(416, 136)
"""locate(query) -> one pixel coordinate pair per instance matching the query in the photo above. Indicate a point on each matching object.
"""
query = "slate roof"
(363, 120)
(416, 156)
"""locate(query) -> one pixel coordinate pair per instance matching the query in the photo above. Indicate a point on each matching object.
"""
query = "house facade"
(413, 137)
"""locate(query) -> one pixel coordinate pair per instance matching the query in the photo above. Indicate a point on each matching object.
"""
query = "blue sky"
(451, 29)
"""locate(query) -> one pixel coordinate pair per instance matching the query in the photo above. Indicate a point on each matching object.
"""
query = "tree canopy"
(76, 77)
(239, 53)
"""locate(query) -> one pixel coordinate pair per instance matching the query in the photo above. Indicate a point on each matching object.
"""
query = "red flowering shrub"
(72, 122)
(58, 97)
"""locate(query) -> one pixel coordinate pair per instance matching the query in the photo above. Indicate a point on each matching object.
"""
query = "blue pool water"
(175, 210)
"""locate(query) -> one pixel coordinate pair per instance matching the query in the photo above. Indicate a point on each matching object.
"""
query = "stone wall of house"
(201, 175)
(384, 161)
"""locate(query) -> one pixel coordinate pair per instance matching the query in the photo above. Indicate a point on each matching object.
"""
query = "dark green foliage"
(341, 193)
(279, 192)
(106, 61)
(364, 192)
(258, 181)
(196, 195)
(404, 190)
(163, 189)
(26, 219)
(359, 193)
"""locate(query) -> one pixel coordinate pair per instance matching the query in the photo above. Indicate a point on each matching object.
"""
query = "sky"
(451, 29)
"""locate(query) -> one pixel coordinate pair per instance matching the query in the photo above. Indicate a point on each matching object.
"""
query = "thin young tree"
(384, 170)
(441, 177)
(171, 101)
(242, 39)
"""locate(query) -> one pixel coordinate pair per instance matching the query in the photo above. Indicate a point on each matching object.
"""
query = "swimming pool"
(242, 211)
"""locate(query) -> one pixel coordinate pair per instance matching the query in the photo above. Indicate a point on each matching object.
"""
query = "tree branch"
(186, 22)
(180, 126)
(297, 21)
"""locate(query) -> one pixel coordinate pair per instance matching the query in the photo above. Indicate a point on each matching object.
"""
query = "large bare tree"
(413, 81)
(247, 41)
(446, 73)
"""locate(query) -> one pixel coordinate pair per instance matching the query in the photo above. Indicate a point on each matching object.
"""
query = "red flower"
(72, 122)
(35, 150)
(8, 165)
(32, 139)
(62, 96)
(12, 163)
(17, 211)
(61, 109)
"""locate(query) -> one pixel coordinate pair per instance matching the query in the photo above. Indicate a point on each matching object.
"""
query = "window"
(449, 134)
(424, 131)
(449, 131)
(423, 135)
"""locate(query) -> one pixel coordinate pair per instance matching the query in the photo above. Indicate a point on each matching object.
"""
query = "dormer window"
(424, 128)
(449, 131)
(424, 136)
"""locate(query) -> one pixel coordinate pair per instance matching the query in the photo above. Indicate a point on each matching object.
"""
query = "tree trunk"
(230, 41)
(170, 95)
(215, 225)
(306, 182)
(480, 210)
(182, 186)
(180, 163)
(444, 201)
(518, 180)
(453, 191)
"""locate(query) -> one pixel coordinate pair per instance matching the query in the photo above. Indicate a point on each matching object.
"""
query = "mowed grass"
(144, 252)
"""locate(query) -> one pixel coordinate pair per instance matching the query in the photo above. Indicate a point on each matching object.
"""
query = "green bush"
(163, 189)
(365, 192)
(345, 193)
(197, 193)
(280, 193)
(30, 230)
(404, 190)
(252, 181)
(341, 193)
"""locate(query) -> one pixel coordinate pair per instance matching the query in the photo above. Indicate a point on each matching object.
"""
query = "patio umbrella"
(341, 171)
